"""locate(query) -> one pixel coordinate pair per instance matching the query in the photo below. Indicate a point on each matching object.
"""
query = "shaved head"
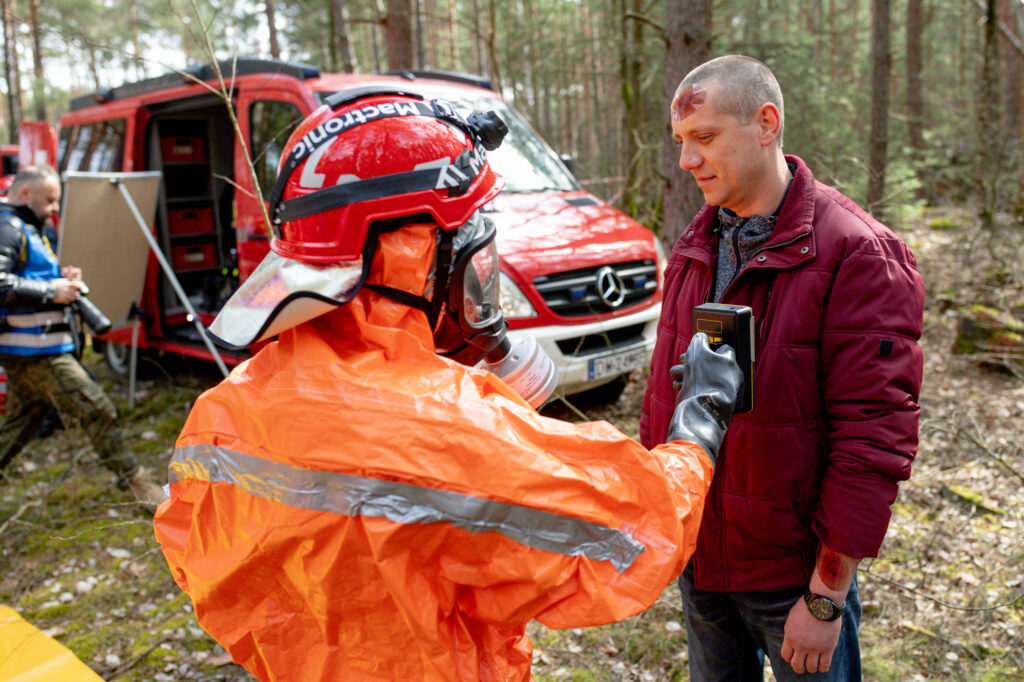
(741, 86)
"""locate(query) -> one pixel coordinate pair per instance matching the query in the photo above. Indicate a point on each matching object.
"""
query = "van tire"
(117, 356)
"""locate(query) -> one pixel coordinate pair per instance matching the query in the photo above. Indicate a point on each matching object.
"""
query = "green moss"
(49, 613)
(943, 223)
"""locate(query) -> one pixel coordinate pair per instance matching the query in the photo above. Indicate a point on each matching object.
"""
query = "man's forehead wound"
(689, 98)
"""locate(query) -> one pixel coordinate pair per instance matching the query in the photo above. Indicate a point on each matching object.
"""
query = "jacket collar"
(26, 214)
(792, 239)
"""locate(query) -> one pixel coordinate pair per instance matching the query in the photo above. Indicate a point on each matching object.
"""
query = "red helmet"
(370, 155)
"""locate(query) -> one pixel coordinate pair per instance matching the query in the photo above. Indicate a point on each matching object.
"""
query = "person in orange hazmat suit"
(365, 498)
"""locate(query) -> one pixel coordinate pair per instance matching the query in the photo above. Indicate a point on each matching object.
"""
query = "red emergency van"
(579, 275)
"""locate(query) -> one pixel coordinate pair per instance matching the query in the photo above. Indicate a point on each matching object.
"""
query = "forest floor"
(943, 601)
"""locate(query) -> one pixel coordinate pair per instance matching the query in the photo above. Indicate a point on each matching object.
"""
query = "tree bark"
(492, 45)
(454, 62)
(1018, 24)
(343, 35)
(398, 32)
(11, 72)
(989, 139)
(423, 60)
(915, 93)
(878, 143)
(38, 80)
(915, 79)
(632, 96)
(688, 35)
(275, 47)
(478, 39)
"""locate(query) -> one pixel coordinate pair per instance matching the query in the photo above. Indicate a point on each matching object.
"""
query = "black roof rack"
(204, 72)
(454, 76)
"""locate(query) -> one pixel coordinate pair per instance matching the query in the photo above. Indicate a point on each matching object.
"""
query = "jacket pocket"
(763, 529)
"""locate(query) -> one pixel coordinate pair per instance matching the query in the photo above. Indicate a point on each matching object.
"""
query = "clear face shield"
(476, 277)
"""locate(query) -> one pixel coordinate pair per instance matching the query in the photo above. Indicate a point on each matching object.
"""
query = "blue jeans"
(729, 634)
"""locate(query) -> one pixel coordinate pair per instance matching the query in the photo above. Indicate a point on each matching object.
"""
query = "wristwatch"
(822, 607)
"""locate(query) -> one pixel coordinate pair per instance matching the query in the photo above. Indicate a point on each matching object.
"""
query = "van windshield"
(524, 160)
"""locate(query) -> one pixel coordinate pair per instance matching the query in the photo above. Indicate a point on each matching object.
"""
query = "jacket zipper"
(752, 256)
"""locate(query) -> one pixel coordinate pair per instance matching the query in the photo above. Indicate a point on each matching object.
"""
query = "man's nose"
(689, 158)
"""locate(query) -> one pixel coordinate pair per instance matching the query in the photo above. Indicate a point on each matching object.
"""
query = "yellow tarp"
(27, 655)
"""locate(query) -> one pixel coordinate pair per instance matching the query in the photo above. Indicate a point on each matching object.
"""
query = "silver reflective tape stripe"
(35, 319)
(36, 340)
(404, 503)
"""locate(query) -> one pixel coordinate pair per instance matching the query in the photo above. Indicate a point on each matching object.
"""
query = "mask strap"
(442, 277)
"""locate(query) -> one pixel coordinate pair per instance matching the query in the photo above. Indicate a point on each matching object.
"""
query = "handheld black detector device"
(734, 325)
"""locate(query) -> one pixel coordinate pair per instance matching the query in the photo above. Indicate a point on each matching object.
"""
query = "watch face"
(821, 609)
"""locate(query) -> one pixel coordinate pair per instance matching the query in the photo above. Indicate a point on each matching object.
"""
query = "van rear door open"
(269, 109)
(191, 142)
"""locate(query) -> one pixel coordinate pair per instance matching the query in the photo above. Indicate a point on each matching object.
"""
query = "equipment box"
(178, 149)
(190, 220)
(194, 256)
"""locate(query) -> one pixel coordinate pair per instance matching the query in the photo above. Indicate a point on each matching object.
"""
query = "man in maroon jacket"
(804, 481)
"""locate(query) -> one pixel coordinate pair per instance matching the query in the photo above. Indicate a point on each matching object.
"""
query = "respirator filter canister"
(526, 368)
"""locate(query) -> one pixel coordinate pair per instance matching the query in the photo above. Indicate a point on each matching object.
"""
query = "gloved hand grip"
(708, 382)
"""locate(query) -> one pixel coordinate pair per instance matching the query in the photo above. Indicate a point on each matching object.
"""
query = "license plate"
(616, 363)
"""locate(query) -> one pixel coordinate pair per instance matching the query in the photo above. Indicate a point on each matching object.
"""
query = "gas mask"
(466, 314)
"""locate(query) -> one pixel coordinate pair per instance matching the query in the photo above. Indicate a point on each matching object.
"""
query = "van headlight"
(513, 301)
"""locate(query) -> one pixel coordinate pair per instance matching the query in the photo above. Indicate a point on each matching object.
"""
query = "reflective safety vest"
(25, 331)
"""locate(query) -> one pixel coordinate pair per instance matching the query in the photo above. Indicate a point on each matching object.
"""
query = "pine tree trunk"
(1018, 24)
(398, 32)
(688, 32)
(454, 62)
(478, 39)
(1011, 42)
(275, 47)
(988, 120)
(492, 45)
(629, 71)
(878, 141)
(422, 58)
(915, 92)
(11, 72)
(38, 77)
(342, 35)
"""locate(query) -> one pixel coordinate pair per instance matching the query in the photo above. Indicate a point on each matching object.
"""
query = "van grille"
(592, 344)
(575, 293)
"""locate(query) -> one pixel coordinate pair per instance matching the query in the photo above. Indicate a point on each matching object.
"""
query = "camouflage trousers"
(34, 384)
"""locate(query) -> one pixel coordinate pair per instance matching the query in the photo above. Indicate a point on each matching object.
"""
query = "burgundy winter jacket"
(838, 308)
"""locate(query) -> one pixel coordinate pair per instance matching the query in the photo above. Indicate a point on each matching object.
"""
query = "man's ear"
(20, 194)
(769, 123)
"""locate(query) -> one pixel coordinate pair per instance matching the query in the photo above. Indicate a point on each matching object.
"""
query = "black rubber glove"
(708, 382)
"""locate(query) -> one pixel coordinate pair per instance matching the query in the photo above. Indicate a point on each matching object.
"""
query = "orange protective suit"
(348, 505)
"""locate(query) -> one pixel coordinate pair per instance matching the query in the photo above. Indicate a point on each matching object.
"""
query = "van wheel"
(118, 357)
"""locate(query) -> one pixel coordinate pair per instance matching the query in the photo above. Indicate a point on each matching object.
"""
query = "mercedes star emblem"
(610, 287)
